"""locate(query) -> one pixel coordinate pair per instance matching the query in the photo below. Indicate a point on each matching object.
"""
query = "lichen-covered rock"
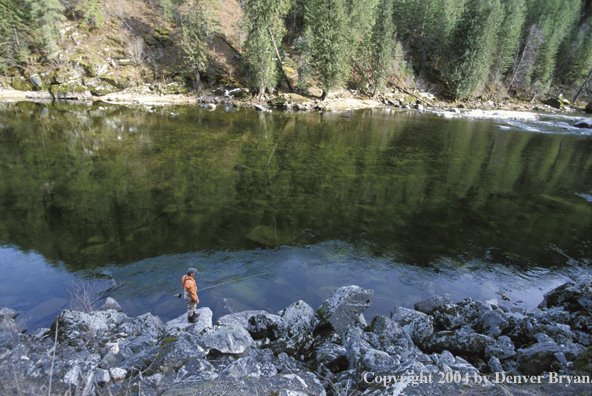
(361, 355)
(98, 87)
(344, 308)
(176, 349)
(232, 339)
(110, 303)
(174, 88)
(572, 295)
(457, 342)
(298, 317)
(416, 324)
(493, 323)
(102, 377)
(267, 326)
(117, 374)
(244, 367)
(204, 321)
(501, 349)
(75, 326)
(452, 316)
(64, 76)
(10, 335)
(391, 337)
(427, 306)
(539, 357)
(239, 318)
(332, 356)
(74, 90)
(21, 84)
(7, 313)
(146, 324)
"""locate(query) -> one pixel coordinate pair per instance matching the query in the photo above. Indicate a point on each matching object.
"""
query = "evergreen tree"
(196, 28)
(383, 38)
(91, 11)
(472, 46)
(508, 36)
(575, 55)
(326, 23)
(48, 16)
(14, 35)
(359, 39)
(264, 32)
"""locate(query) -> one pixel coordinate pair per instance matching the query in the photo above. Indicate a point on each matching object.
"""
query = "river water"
(124, 199)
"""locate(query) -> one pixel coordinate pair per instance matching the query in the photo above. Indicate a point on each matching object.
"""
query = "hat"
(191, 270)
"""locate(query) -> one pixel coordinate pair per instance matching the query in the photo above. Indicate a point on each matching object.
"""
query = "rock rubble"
(302, 351)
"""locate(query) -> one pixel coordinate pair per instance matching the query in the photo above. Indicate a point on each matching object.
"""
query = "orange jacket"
(190, 286)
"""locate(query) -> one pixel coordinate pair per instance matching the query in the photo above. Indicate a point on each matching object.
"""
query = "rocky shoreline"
(440, 347)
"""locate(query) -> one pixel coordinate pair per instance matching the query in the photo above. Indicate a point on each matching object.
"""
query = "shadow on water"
(408, 205)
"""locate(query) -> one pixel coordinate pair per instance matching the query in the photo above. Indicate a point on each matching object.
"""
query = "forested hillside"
(453, 48)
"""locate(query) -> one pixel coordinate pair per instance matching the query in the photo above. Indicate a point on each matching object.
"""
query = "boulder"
(244, 367)
(588, 108)
(64, 76)
(204, 321)
(502, 349)
(102, 377)
(458, 342)
(110, 303)
(7, 313)
(117, 374)
(584, 123)
(176, 349)
(572, 295)
(74, 326)
(21, 84)
(232, 339)
(239, 318)
(391, 337)
(74, 90)
(332, 356)
(10, 335)
(361, 355)
(427, 306)
(298, 317)
(344, 308)
(267, 326)
(36, 80)
(452, 316)
(416, 324)
(554, 102)
(493, 323)
(146, 324)
(539, 357)
(98, 87)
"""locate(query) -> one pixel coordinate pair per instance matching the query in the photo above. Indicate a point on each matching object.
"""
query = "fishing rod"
(224, 283)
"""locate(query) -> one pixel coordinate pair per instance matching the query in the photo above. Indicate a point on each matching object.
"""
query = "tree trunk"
(582, 87)
(324, 95)
(280, 62)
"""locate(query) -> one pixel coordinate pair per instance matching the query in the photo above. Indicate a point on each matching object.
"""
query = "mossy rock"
(63, 76)
(21, 84)
(174, 88)
(589, 108)
(554, 102)
(227, 81)
(162, 36)
(584, 362)
(94, 69)
(99, 87)
(71, 91)
(121, 83)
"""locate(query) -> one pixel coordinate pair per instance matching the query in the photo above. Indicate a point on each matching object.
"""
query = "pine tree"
(508, 37)
(383, 38)
(472, 46)
(196, 28)
(48, 16)
(264, 32)
(359, 39)
(327, 35)
(14, 36)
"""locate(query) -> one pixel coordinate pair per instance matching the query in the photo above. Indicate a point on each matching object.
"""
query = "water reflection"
(108, 188)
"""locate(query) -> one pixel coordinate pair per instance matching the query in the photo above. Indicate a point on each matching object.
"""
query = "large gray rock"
(232, 339)
(176, 349)
(146, 324)
(493, 323)
(502, 349)
(239, 318)
(332, 356)
(416, 324)
(584, 123)
(244, 367)
(267, 326)
(74, 326)
(427, 306)
(452, 316)
(391, 337)
(8, 313)
(539, 357)
(298, 317)
(344, 308)
(204, 321)
(458, 342)
(362, 356)
(10, 335)
(110, 303)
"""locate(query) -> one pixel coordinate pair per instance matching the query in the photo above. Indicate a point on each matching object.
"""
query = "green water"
(405, 203)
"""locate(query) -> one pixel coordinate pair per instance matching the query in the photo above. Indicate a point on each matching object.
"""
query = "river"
(124, 199)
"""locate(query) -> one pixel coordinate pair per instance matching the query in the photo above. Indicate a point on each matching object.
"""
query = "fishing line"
(224, 283)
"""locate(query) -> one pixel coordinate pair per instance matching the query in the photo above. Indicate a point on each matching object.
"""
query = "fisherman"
(190, 294)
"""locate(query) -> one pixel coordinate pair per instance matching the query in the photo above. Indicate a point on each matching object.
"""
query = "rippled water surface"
(407, 204)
